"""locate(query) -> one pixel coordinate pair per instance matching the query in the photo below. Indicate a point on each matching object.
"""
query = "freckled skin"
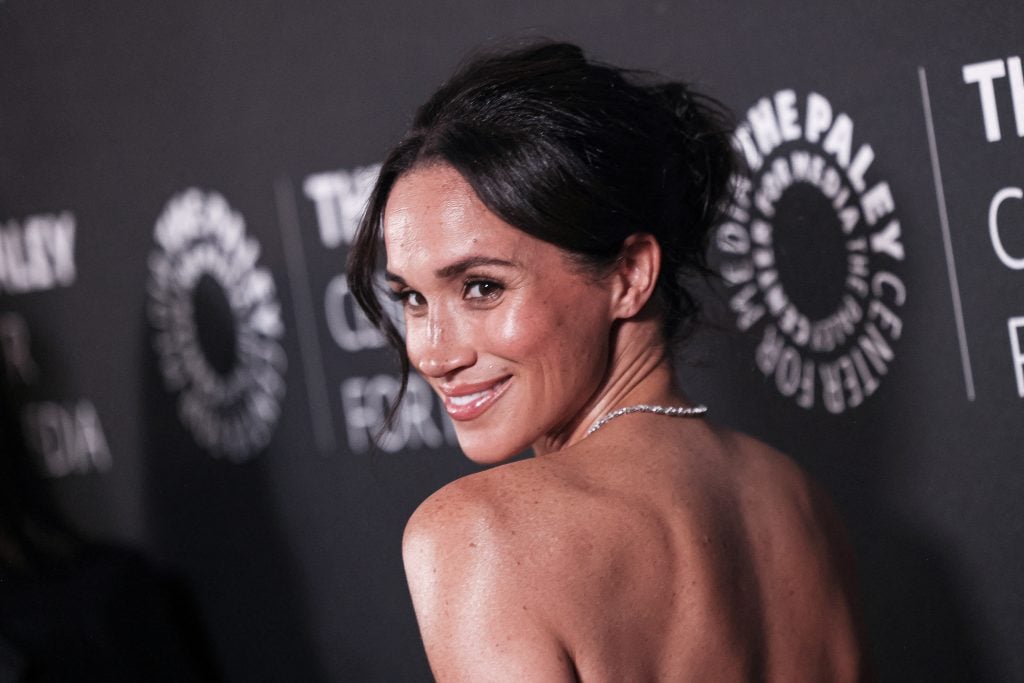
(433, 218)
(656, 549)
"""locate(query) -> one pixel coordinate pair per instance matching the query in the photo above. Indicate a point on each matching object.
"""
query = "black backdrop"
(203, 390)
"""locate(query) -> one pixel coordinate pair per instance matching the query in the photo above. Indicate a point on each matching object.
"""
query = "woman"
(538, 222)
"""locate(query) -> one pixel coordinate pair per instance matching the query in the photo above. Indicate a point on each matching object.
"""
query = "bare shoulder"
(479, 508)
(801, 555)
(777, 473)
(797, 506)
(489, 521)
(467, 561)
(446, 532)
(757, 453)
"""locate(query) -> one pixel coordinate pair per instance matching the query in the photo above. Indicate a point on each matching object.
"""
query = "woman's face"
(509, 332)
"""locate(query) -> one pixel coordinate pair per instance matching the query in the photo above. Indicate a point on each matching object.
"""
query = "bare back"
(666, 550)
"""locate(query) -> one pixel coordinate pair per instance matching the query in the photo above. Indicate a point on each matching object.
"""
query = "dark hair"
(576, 153)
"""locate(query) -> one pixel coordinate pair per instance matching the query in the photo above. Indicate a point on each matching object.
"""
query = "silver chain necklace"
(673, 411)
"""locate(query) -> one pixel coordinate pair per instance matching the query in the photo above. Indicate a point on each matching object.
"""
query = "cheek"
(526, 331)
(557, 336)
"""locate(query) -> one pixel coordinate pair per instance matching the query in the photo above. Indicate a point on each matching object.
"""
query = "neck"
(640, 371)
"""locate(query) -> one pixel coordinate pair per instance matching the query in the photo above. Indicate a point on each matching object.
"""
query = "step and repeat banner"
(179, 184)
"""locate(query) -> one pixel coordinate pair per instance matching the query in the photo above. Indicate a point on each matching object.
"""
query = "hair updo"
(575, 153)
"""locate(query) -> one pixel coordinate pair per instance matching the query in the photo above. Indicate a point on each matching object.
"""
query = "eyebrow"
(457, 268)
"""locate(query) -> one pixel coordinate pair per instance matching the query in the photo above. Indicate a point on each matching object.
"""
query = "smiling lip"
(469, 401)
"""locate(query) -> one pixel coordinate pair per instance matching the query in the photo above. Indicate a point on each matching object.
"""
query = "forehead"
(433, 213)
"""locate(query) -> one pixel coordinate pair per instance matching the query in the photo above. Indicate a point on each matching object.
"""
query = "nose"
(437, 347)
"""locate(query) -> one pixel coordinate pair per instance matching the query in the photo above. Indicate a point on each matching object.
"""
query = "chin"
(485, 448)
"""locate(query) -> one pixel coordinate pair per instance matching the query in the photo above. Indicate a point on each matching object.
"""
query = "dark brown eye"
(482, 289)
(408, 297)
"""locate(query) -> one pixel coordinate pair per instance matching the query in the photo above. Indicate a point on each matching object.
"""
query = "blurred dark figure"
(73, 610)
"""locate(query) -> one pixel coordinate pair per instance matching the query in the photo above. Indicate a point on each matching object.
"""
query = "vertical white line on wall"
(947, 241)
(302, 301)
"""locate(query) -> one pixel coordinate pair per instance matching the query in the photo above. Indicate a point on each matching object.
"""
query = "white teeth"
(467, 399)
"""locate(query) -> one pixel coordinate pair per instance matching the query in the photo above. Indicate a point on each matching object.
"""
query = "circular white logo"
(217, 325)
(810, 252)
